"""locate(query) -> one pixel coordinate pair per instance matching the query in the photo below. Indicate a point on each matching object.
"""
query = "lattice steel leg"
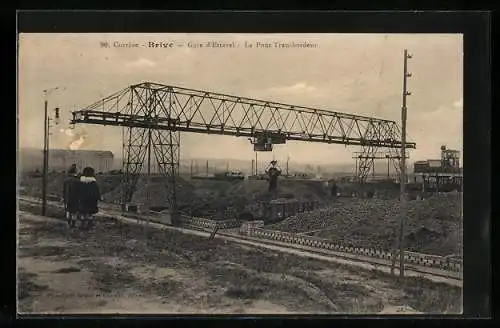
(368, 152)
(396, 161)
(366, 163)
(135, 148)
(166, 146)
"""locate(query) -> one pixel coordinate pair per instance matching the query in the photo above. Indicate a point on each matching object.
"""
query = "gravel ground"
(112, 269)
(432, 225)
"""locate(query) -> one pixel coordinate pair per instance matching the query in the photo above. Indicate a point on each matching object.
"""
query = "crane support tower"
(167, 110)
(366, 163)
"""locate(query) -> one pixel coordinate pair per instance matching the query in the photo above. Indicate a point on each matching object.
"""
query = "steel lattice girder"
(366, 161)
(162, 145)
(366, 164)
(165, 147)
(135, 145)
(378, 155)
(187, 110)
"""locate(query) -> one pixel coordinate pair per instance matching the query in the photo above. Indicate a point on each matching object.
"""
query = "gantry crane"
(154, 115)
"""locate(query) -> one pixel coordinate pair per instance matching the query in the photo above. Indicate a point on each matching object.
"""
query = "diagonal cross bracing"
(188, 110)
(154, 115)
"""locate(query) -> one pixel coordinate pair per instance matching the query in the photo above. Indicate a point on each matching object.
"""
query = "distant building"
(62, 159)
(440, 174)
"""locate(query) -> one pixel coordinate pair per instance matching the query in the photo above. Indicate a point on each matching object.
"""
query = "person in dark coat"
(70, 195)
(334, 189)
(273, 178)
(89, 196)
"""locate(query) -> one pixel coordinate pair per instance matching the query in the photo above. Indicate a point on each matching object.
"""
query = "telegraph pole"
(148, 185)
(45, 158)
(45, 168)
(287, 160)
(256, 165)
(356, 171)
(402, 192)
(388, 167)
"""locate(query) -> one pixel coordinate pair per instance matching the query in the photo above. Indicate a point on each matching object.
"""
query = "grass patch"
(347, 297)
(110, 279)
(26, 287)
(164, 287)
(51, 211)
(438, 298)
(244, 292)
(67, 270)
(42, 251)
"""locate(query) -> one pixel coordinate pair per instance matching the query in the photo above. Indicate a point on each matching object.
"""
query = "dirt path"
(112, 270)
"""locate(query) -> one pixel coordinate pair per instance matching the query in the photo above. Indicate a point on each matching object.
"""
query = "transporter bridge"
(153, 115)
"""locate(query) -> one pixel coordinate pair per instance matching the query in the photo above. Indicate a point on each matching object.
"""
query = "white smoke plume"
(77, 144)
(78, 138)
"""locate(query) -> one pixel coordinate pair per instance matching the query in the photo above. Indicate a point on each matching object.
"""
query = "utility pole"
(287, 160)
(388, 167)
(459, 232)
(148, 185)
(256, 170)
(45, 168)
(402, 192)
(356, 171)
(45, 159)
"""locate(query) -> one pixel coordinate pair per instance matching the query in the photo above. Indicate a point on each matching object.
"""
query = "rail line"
(232, 235)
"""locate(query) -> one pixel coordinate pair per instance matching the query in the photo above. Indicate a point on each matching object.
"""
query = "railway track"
(232, 235)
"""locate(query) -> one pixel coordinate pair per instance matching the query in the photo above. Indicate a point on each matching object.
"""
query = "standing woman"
(70, 195)
(89, 197)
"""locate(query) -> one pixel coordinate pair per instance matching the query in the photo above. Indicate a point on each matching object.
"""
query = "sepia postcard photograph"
(240, 173)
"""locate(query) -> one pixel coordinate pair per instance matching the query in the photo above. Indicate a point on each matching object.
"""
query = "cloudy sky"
(352, 73)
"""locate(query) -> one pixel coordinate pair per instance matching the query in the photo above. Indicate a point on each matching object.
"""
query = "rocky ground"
(204, 198)
(112, 269)
(433, 224)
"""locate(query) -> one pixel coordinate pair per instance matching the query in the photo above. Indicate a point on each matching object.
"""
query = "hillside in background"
(31, 159)
(199, 166)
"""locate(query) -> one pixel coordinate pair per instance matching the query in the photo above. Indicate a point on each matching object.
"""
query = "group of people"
(81, 196)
